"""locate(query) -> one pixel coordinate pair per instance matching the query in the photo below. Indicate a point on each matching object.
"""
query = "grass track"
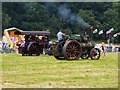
(46, 72)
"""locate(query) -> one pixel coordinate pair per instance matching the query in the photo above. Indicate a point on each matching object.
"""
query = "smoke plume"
(65, 12)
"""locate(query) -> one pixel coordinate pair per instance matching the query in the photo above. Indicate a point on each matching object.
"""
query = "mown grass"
(46, 72)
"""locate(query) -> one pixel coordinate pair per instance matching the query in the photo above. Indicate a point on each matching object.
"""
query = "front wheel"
(85, 56)
(95, 54)
(57, 56)
(58, 52)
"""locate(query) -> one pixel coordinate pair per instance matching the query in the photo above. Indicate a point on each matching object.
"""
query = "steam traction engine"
(75, 46)
(35, 42)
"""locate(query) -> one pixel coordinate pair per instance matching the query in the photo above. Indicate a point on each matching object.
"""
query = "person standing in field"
(60, 37)
(22, 48)
(103, 49)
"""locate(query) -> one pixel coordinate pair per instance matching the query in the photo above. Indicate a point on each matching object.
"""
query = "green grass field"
(46, 72)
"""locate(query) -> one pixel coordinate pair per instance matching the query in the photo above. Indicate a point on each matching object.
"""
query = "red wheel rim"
(73, 50)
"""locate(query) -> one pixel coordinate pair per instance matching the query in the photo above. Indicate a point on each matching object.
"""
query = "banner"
(108, 32)
(115, 35)
(118, 33)
(112, 29)
(95, 31)
(101, 32)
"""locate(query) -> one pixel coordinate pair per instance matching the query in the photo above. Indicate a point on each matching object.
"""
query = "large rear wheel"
(34, 49)
(72, 50)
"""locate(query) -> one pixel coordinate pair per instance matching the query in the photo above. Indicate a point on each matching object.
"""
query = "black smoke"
(62, 10)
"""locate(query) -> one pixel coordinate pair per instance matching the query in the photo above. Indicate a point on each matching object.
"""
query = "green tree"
(67, 31)
(6, 21)
(44, 16)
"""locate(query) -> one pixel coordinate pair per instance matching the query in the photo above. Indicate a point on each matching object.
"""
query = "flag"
(95, 31)
(90, 27)
(115, 35)
(112, 29)
(101, 32)
(118, 33)
(108, 41)
(108, 32)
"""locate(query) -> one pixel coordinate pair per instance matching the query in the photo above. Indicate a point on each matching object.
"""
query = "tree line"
(71, 17)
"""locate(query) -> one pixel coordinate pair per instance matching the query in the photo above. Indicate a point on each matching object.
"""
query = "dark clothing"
(26, 40)
(118, 49)
(103, 48)
(61, 42)
(23, 51)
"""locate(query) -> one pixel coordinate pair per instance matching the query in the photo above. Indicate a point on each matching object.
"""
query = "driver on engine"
(60, 37)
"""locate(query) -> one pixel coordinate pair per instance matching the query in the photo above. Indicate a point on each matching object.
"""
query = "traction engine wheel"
(72, 50)
(85, 53)
(58, 53)
(34, 49)
(59, 58)
(85, 56)
(95, 54)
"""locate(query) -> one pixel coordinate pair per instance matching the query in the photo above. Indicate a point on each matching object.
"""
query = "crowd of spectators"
(5, 48)
(109, 48)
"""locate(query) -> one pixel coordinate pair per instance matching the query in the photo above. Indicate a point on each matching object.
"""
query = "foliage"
(6, 20)
(68, 31)
(71, 16)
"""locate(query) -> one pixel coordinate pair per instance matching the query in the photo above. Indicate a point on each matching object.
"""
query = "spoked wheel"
(72, 50)
(59, 58)
(58, 52)
(95, 54)
(85, 56)
(34, 49)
